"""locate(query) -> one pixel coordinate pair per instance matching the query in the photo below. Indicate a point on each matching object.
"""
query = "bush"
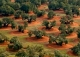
(21, 28)
(3, 38)
(14, 44)
(59, 40)
(76, 49)
(51, 14)
(48, 24)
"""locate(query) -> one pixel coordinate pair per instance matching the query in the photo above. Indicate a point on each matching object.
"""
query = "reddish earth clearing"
(72, 35)
(16, 33)
(34, 39)
(64, 46)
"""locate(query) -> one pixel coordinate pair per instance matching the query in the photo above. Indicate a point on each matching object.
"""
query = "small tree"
(6, 10)
(38, 33)
(13, 25)
(14, 44)
(78, 33)
(48, 24)
(21, 28)
(59, 40)
(40, 13)
(6, 21)
(3, 38)
(51, 14)
(25, 24)
(18, 14)
(76, 49)
(0, 24)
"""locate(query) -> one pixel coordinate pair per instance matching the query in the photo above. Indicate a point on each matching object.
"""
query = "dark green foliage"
(57, 53)
(51, 14)
(13, 25)
(18, 14)
(6, 21)
(59, 40)
(48, 24)
(76, 49)
(25, 24)
(78, 33)
(66, 20)
(31, 51)
(28, 17)
(21, 28)
(1, 24)
(3, 38)
(14, 44)
(6, 10)
(38, 33)
(15, 6)
(40, 13)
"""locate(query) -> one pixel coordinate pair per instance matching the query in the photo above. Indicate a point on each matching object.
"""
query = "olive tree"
(48, 24)
(14, 44)
(51, 14)
(3, 38)
(76, 49)
(18, 14)
(38, 33)
(6, 21)
(21, 28)
(59, 40)
(6, 10)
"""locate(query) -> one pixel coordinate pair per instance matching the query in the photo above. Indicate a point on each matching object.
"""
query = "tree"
(76, 49)
(15, 6)
(3, 38)
(40, 13)
(53, 5)
(18, 14)
(57, 53)
(51, 14)
(2, 2)
(22, 53)
(6, 21)
(21, 28)
(25, 24)
(13, 25)
(6, 10)
(48, 24)
(59, 40)
(78, 33)
(14, 44)
(66, 20)
(44, 1)
(0, 24)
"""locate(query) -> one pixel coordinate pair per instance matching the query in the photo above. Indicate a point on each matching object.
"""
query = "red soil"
(72, 35)
(6, 28)
(75, 24)
(71, 53)
(43, 7)
(16, 33)
(12, 0)
(76, 17)
(60, 11)
(64, 46)
(5, 43)
(34, 39)
(31, 13)
(53, 30)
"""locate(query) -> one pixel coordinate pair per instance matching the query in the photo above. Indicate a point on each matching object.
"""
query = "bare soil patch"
(71, 53)
(34, 39)
(5, 43)
(52, 30)
(64, 46)
(75, 24)
(16, 33)
(6, 28)
(72, 35)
